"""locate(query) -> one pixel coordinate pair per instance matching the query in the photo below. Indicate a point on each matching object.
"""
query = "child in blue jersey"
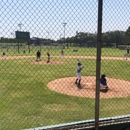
(78, 73)
(103, 81)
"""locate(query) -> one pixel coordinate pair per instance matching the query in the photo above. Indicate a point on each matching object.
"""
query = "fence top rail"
(122, 117)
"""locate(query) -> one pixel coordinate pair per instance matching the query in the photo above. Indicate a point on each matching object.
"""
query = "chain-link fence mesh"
(48, 61)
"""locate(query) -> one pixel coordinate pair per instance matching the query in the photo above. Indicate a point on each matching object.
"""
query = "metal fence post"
(98, 62)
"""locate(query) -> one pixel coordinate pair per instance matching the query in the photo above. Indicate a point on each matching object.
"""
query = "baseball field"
(34, 94)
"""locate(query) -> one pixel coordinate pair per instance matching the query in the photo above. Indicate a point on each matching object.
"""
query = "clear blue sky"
(44, 18)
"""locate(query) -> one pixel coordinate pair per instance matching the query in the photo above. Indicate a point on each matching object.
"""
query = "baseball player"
(103, 81)
(62, 53)
(3, 55)
(78, 73)
(38, 55)
(48, 57)
(125, 55)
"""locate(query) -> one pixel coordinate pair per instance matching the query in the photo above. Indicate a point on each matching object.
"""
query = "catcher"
(103, 81)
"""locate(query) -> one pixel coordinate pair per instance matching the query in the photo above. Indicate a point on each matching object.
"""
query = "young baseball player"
(103, 81)
(62, 53)
(48, 57)
(125, 56)
(78, 73)
(127, 51)
(38, 55)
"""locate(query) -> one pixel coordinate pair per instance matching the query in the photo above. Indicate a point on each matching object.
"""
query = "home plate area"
(116, 87)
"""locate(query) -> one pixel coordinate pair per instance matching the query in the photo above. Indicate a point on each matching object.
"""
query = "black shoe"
(78, 83)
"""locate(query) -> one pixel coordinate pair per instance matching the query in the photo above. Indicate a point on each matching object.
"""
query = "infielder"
(62, 53)
(38, 55)
(3, 55)
(48, 57)
(78, 73)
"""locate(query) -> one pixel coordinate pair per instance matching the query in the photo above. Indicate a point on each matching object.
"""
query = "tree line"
(110, 38)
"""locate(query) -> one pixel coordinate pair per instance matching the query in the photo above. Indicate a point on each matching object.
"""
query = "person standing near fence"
(38, 55)
(3, 56)
(128, 50)
(48, 57)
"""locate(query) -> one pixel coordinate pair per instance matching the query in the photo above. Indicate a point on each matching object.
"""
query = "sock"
(79, 81)
(76, 80)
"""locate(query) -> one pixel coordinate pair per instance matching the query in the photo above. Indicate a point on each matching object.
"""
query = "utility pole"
(20, 26)
(64, 24)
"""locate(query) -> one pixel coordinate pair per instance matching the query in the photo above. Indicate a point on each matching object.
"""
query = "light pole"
(60, 40)
(60, 36)
(77, 38)
(64, 24)
(20, 25)
(12, 39)
(48, 37)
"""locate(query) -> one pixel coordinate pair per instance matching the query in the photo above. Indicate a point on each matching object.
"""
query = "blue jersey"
(103, 81)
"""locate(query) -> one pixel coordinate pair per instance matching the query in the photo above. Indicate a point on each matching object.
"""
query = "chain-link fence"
(48, 62)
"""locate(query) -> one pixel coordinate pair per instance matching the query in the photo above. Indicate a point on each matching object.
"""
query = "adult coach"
(38, 55)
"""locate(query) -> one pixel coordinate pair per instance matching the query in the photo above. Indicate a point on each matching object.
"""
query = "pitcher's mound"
(116, 87)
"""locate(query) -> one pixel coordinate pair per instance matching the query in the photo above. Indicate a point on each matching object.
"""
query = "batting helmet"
(103, 75)
(79, 64)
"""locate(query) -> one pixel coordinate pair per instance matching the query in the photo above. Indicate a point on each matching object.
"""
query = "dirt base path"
(80, 57)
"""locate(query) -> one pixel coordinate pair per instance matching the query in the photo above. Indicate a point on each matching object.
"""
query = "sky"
(45, 18)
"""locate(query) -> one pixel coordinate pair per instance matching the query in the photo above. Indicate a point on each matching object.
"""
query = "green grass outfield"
(26, 102)
(55, 50)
